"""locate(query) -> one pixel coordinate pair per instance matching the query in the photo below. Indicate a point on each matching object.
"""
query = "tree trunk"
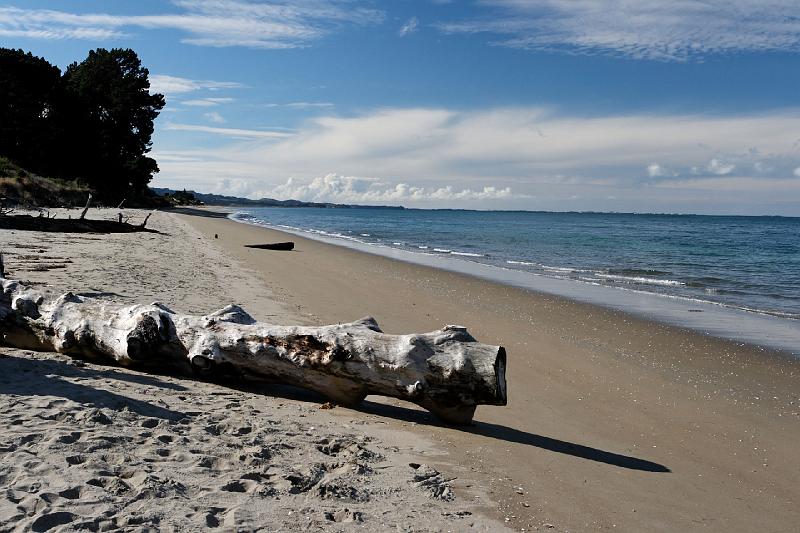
(446, 371)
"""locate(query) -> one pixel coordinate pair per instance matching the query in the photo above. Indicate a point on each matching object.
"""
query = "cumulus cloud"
(349, 189)
(409, 27)
(654, 170)
(645, 29)
(218, 23)
(719, 167)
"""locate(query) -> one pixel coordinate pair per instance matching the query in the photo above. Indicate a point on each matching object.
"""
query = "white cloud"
(349, 189)
(649, 29)
(207, 102)
(719, 167)
(542, 156)
(409, 27)
(170, 85)
(218, 23)
(654, 170)
(229, 132)
(300, 105)
(214, 117)
(797, 172)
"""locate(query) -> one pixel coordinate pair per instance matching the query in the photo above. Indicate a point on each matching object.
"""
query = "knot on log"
(27, 306)
(147, 337)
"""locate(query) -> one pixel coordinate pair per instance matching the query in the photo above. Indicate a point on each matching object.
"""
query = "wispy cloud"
(171, 85)
(207, 102)
(214, 117)
(218, 23)
(229, 132)
(409, 27)
(301, 105)
(646, 29)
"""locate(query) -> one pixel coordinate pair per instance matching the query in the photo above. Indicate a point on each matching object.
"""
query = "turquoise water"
(745, 264)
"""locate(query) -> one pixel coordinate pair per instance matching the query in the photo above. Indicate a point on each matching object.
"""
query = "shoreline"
(593, 394)
(757, 328)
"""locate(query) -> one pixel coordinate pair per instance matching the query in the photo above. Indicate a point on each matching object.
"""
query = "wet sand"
(613, 422)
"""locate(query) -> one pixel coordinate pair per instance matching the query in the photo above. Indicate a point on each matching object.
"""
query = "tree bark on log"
(446, 371)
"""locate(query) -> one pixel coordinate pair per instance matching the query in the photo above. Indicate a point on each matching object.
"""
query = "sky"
(687, 106)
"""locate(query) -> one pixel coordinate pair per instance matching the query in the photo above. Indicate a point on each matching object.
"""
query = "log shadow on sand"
(43, 377)
(485, 429)
(508, 434)
(36, 377)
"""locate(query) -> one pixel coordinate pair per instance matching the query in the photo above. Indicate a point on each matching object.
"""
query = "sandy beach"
(613, 422)
(85, 447)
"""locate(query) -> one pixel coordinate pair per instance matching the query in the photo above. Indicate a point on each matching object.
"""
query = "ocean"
(735, 268)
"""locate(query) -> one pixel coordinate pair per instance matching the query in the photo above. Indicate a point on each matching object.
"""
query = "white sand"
(88, 447)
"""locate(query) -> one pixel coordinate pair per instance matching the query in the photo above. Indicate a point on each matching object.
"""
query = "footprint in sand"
(73, 460)
(73, 493)
(241, 485)
(48, 521)
(69, 438)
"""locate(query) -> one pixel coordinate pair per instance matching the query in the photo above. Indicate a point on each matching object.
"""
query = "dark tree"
(28, 94)
(111, 116)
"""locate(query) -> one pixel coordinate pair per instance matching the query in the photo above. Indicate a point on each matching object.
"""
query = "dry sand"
(87, 447)
(613, 423)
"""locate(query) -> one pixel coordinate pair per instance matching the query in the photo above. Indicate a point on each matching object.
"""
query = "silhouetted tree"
(111, 114)
(28, 95)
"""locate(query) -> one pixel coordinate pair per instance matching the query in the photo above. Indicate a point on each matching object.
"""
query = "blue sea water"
(745, 264)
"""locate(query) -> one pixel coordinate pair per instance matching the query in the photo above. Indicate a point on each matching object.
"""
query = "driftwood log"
(446, 371)
(272, 246)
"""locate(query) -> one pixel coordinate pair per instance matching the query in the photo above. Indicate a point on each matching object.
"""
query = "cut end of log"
(500, 374)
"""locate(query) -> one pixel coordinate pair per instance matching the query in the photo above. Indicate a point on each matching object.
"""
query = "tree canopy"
(93, 123)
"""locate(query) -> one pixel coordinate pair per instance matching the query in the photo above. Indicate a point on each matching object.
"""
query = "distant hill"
(219, 199)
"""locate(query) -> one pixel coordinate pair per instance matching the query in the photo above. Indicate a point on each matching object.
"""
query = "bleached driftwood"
(446, 371)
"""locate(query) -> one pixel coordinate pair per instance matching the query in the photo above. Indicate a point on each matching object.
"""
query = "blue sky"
(612, 105)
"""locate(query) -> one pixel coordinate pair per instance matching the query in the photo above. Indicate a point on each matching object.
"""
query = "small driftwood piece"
(85, 209)
(272, 246)
(446, 371)
(144, 222)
